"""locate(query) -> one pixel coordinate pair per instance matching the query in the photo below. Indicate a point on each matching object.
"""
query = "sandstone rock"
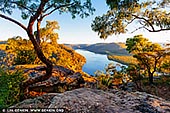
(62, 79)
(85, 100)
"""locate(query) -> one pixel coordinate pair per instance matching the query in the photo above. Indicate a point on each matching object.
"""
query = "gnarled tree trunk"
(36, 43)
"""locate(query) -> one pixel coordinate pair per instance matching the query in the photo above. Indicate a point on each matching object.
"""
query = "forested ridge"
(102, 48)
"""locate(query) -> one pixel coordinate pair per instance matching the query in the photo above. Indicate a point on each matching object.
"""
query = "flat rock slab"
(85, 100)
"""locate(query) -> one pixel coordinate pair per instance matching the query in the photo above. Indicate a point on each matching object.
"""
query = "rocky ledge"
(86, 100)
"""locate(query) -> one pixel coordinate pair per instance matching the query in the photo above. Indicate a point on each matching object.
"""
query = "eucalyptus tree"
(153, 16)
(149, 55)
(35, 11)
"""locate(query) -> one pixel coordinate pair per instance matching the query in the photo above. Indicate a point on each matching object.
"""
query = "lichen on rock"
(88, 100)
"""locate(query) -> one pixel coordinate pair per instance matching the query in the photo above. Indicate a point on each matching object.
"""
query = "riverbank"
(95, 61)
(126, 60)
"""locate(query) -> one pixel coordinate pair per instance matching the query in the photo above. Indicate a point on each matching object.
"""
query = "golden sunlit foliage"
(122, 45)
(21, 49)
(2, 46)
(165, 68)
(68, 58)
(112, 78)
(48, 33)
(123, 59)
(149, 55)
(59, 54)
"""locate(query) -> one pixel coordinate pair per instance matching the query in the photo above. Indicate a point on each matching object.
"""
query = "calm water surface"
(95, 61)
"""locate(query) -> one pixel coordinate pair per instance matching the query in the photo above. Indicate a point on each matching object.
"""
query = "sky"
(77, 31)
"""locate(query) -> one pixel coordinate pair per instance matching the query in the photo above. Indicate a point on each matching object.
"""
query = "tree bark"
(29, 30)
(150, 78)
(24, 86)
(38, 31)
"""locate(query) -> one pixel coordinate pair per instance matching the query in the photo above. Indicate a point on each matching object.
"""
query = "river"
(95, 61)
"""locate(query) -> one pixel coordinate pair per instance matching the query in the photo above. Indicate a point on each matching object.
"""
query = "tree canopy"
(152, 16)
(149, 55)
(30, 8)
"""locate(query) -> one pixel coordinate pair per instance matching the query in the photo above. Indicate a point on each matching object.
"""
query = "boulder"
(86, 100)
(62, 79)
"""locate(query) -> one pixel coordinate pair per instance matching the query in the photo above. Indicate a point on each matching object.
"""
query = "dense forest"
(40, 65)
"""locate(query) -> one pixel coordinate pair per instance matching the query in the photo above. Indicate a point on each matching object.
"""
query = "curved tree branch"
(31, 36)
(142, 18)
(14, 21)
(60, 6)
(130, 22)
(24, 86)
(150, 24)
(139, 28)
(43, 16)
(166, 29)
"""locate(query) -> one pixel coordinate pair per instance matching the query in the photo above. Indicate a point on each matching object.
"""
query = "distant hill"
(3, 42)
(77, 46)
(102, 48)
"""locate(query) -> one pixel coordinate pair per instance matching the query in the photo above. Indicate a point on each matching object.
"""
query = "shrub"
(112, 78)
(104, 81)
(25, 57)
(23, 53)
(9, 88)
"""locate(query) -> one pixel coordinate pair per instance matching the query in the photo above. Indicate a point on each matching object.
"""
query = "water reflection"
(95, 62)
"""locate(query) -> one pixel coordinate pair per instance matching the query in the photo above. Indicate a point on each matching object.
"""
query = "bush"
(112, 78)
(104, 81)
(23, 53)
(9, 88)
(25, 57)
